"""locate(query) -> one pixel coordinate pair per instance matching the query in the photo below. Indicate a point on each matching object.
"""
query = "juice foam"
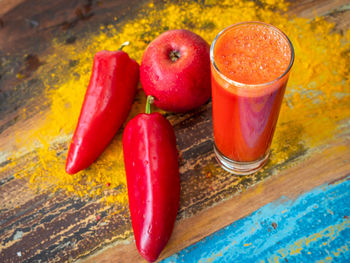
(252, 54)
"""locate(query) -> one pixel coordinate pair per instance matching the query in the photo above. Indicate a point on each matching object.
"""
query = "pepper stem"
(150, 100)
(126, 43)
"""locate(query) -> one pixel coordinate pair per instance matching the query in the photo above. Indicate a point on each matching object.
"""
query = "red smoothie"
(250, 69)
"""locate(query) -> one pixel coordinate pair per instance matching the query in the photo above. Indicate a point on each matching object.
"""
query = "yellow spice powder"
(317, 96)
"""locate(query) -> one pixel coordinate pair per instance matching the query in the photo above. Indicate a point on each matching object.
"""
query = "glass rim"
(241, 84)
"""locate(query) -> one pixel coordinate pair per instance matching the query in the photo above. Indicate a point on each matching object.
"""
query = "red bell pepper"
(152, 171)
(106, 105)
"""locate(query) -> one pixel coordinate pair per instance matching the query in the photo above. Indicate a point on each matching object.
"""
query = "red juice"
(250, 69)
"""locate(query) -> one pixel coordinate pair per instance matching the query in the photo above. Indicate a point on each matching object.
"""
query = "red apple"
(175, 70)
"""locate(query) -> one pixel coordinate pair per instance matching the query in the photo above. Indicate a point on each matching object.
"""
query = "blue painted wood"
(313, 228)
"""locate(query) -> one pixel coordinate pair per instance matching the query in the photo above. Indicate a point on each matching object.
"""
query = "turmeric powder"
(317, 96)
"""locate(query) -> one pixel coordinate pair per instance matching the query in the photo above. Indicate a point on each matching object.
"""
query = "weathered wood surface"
(289, 183)
(54, 227)
(313, 227)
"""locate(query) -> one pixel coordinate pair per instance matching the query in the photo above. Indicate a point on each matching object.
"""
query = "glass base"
(240, 168)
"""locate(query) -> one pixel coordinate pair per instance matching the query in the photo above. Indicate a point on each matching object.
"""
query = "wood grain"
(27, 29)
(288, 183)
(54, 227)
(6, 6)
(313, 8)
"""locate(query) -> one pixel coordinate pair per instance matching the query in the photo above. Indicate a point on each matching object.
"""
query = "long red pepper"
(106, 105)
(152, 171)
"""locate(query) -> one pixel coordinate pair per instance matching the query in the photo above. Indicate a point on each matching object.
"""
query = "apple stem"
(174, 55)
(149, 101)
(126, 43)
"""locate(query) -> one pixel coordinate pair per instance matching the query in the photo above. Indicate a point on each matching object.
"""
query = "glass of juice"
(250, 65)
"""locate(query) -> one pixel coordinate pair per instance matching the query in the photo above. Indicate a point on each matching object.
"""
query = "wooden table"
(295, 210)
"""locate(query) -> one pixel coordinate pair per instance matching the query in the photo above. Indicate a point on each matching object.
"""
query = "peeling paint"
(304, 232)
